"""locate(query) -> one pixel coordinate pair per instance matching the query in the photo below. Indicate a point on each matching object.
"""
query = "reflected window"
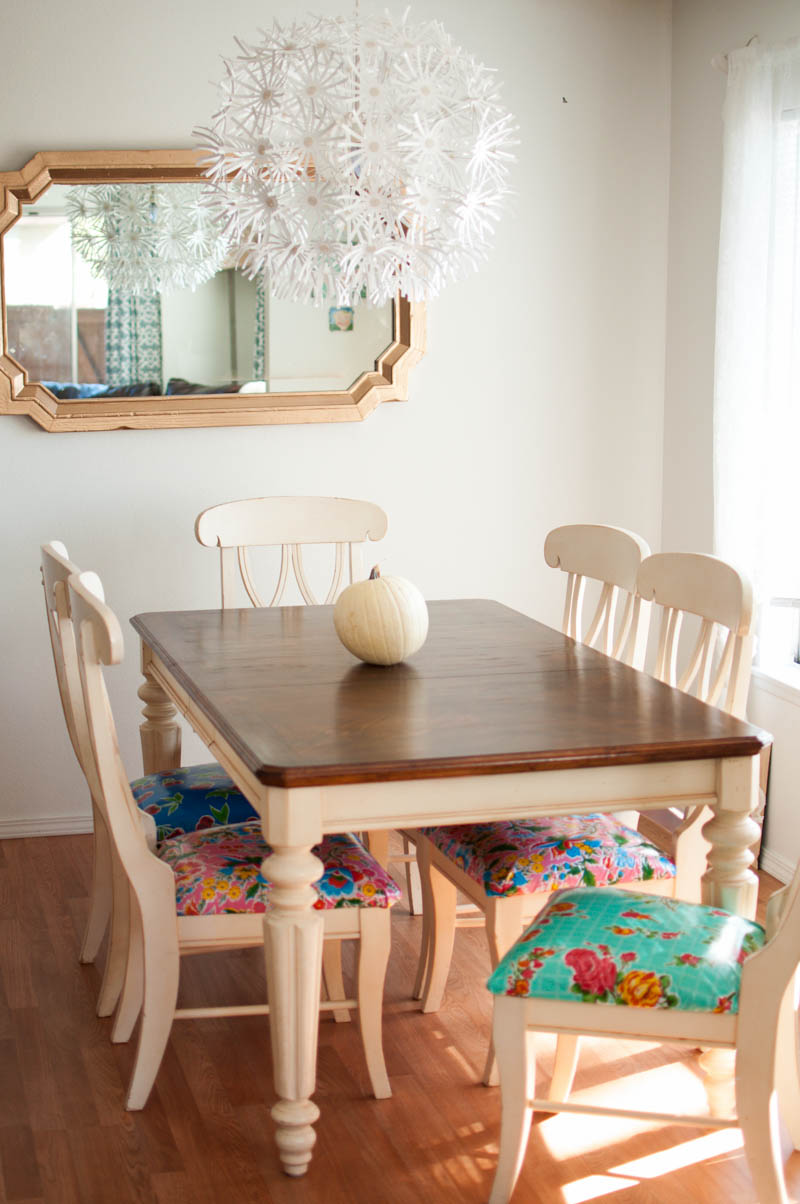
(55, 308)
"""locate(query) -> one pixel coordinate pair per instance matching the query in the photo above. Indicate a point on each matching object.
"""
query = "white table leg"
(293, 932)
(160, 733)
(729, 882)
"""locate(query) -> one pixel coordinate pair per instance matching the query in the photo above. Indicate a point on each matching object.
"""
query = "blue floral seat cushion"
(524, 857)
(217, 871)
(614, 946)
(191, 798)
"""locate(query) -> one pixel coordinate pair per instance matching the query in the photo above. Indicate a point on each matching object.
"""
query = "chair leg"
(332, 977)
(787, 1072)
(100, 896)
(413, 881)
(423, 870)
(117, 955)
(130, 1001)
(377, 841)
(373, 958)
(565, 1065)
(504, 923)
(441, 935)
(161, 975)
(757, 1104)
(516, 1056)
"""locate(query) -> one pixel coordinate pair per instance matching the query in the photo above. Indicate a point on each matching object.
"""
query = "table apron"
(518, 795)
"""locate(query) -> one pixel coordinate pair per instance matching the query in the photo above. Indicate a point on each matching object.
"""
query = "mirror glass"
(82, 337)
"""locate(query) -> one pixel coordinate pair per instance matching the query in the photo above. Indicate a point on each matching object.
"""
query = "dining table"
(497, 716)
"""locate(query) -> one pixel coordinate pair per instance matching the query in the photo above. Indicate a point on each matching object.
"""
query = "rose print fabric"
(621, 947)
(191, 798)
(512, 857)
(217, 871)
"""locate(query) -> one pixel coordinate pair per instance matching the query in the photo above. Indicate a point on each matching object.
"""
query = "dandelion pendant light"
(357, 158)
(146, 239)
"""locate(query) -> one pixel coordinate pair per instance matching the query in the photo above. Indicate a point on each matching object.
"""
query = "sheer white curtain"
(757, 369)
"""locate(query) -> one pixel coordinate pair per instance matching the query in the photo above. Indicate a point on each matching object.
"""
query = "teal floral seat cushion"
(191, 798)
(622, 947)
(217, 871)
(524, 857)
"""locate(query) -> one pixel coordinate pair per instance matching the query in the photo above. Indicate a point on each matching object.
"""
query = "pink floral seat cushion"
(512, 857)
(622, 947)
(217, 871)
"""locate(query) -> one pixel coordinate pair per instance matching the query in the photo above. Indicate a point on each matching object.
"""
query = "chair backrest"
(289, 522)
(99, 643)
(612, 556)
(57, 568)
(688, 583)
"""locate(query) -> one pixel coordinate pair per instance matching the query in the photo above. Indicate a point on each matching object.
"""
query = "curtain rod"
(720, 61)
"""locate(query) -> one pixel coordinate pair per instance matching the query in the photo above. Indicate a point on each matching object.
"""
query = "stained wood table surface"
(491, 691)
(495, 717)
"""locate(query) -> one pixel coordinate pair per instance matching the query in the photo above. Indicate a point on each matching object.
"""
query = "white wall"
(539, 401)
(702, 29)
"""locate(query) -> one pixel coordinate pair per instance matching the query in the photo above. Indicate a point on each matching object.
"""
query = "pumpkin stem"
(376, 572)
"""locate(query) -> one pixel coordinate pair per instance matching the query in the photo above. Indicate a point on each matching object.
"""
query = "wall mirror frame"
(386, 380)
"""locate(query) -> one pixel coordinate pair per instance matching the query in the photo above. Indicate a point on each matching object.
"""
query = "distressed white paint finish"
(716, 669)
(292, 929)
(289, 523)
(373, 806)
(618, 627)
(763, 1035)
(610, 555)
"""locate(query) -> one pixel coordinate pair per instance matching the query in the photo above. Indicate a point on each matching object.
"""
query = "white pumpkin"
(381, 620)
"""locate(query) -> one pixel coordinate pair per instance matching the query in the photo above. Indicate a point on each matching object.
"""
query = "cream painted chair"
(557, 979)
(202, 891)
(715, 666)
(291, 523)
(181, 799)
(508, 870)
(294, 524)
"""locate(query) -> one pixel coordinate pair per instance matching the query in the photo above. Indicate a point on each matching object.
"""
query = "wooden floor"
(206, 1135)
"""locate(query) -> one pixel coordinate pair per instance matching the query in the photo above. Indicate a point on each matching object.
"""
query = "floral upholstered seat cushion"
(217, 871)
(622, 947)
(524, 857)
(191, 798)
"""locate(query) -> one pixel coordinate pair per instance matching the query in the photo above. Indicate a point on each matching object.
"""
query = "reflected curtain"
(757, 358)
(260, 335)
(133, 338)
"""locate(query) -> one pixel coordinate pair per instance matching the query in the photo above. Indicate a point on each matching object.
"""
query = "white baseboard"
(780, 867)
(45, 825)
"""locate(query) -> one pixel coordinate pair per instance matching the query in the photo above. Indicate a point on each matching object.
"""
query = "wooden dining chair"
(508, 869)
(203, 891)
(180, 800)
(612, 964)
(714, 664)
(294, 524)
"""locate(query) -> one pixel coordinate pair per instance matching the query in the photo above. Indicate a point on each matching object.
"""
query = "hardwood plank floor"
(206, 1134)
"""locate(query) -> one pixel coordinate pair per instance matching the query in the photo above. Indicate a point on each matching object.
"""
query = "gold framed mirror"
(80, 351)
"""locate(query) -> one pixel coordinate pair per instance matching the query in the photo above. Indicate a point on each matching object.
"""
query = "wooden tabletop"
(491, 691)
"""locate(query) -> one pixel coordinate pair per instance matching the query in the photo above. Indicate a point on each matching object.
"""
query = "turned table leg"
(293, 932)
(160, 733)
(729, 882)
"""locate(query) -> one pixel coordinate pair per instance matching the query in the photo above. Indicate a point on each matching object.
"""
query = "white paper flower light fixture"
(146, 238)
(358, 157)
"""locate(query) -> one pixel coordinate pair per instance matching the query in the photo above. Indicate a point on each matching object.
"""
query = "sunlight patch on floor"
(652, 1166)
(665, 1088)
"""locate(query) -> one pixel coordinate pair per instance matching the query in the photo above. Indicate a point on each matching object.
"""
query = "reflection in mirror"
(83, 338)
